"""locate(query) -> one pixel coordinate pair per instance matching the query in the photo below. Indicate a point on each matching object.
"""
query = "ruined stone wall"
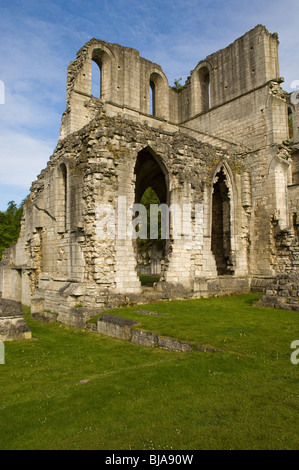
(282, 292)
(293, 205)
(60, 241)
(254, 120)
(246, 65)
(285, 251)
(125, 82)
(218, 146)
(285, 241)
(126, 78)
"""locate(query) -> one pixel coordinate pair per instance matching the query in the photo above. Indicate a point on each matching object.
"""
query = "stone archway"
(150, 171)
(221, 236)
(151, 187)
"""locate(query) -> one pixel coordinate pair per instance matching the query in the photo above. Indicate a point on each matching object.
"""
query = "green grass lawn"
(148, 280)
(73, 389)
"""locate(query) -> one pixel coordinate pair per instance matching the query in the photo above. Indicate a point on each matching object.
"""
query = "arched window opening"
(290, 124)
(221, 225)
(204, 79)
(101, 74)
(158, 92)
(152, 110)
(96, 79)
(151, 191)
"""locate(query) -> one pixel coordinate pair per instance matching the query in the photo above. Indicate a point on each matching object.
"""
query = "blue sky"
(40, 38)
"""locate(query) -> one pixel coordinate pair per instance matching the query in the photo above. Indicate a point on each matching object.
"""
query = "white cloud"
(34, 76)
(22, 158)
(22, 110)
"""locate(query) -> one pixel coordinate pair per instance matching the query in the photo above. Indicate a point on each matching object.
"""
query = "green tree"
(10, 224)
(150, 197)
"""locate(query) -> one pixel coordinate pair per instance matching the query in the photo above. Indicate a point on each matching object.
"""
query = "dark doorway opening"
(221, 225)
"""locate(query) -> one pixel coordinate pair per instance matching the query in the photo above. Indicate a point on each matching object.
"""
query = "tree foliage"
(177, 85)
(145, 245)
(10, 223)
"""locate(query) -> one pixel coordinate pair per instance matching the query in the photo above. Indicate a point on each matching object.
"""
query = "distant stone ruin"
(221, 154)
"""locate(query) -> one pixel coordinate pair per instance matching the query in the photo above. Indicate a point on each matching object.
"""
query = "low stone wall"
(122, 328)
(12, 323)
(173, 344)
(115, 327)
(283, 292)
(260, 284)
(145, 338)
(60, 297)
(45, 317)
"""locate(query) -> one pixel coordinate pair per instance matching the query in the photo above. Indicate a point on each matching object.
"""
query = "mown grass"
(148, 280)
(75, 389)
(229, 323)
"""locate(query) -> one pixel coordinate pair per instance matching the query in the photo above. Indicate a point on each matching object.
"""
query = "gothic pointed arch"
(150, 170)
(222, 219)
(151, 190)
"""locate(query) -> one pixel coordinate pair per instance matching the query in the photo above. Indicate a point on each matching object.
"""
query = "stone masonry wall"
(100, 161)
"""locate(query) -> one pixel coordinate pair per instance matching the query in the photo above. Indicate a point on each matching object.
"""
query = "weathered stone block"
(173, 345)
(37, 305)
(271, 292)
(12, 322)
(115, 327)
(144, 338)
(45, 317)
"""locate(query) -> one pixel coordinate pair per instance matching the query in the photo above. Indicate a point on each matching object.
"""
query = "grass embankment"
(74, 389)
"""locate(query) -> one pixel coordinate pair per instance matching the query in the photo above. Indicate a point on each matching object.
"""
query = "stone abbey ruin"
(221, 143)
